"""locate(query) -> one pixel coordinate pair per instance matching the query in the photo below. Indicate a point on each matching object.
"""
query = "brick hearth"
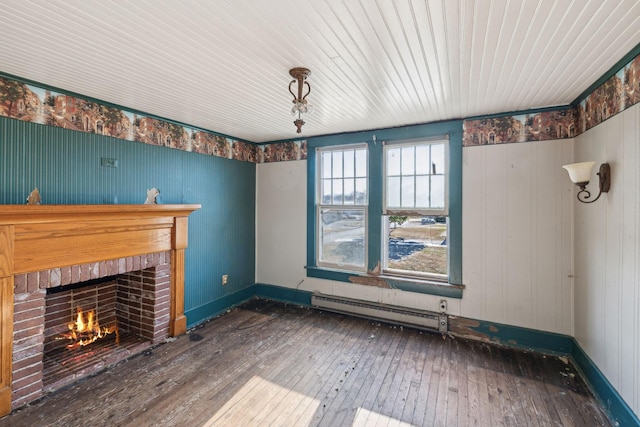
(144, 282)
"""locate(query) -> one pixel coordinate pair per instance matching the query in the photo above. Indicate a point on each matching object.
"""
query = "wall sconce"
(300, 105)
(580, 175)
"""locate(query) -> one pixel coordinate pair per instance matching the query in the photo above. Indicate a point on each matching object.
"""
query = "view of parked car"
(432, 219)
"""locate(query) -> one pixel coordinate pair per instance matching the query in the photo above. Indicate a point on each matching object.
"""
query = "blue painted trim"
(550, 343)
(214, 308)
(524, 338)
(389, 134)
(521, 112)
(428, 288)
(280, 141)
(420, 287)
(311, 205)
(329, 274)
(374, 214)
(279, 293)
(614, 404)
(455, 207)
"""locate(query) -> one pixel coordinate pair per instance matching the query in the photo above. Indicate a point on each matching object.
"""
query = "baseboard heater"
(404, 316)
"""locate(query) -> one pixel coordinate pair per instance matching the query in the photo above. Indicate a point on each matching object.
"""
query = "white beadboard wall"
(281, 218)
(516, 235)
(281, 246)
(607, 256)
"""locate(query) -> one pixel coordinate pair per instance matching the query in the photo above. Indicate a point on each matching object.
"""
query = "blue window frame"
(374, 239)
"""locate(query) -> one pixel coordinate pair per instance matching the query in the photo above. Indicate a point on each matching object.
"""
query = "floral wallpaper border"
(31, 103)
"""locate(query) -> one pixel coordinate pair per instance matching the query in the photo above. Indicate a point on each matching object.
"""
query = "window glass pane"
(337, 192)
(393, 161)
(326, 165)
(423, 163)
(408, 160)
(437, 191)
(417, 164)
(422, 191)
(337, 164)
(361, 162)
(393, 191)
(437, 159)
(408, 192)
(361, 191)
(416, 245)
(325, 197)
(349, 191)
(349, 166)
(339, 169)
(342, 237)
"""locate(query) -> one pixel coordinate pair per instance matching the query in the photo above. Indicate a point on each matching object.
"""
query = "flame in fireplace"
(86, 329)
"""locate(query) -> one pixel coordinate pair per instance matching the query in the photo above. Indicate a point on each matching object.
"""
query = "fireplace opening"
(96, 323)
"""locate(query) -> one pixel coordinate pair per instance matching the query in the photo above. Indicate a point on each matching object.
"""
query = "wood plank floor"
(269, 364)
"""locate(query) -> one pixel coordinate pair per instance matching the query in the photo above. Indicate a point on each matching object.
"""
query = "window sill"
(409, 284)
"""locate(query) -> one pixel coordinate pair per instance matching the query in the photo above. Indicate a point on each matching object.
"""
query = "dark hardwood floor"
(270, 364)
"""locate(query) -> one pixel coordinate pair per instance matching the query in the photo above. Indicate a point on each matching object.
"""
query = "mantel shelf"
(15, 214)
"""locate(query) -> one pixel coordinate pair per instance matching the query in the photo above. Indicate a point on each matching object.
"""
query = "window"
(374, 206)
(414, 222)
(342, 207)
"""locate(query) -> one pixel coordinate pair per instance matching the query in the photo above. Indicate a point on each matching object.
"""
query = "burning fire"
(86, 330)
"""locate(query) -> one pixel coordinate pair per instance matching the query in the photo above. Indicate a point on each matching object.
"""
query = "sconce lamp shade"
(580, 172)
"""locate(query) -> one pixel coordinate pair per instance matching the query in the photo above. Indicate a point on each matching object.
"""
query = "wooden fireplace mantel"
(40, 237)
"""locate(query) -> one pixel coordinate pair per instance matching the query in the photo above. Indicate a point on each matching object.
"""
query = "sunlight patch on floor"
(258, 395)
(366, 418)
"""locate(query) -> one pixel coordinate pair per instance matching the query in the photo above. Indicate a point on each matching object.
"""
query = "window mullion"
(344, 200)
(400, 179)
(430, 176)
(415, 175)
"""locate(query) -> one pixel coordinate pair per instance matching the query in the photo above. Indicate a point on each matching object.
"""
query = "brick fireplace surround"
(43, 247)
(29, 314)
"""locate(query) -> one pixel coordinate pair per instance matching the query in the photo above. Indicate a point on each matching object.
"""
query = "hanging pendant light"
(300, 104)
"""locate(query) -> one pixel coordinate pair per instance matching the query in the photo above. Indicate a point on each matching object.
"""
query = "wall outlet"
(443, 305)
(225, 279)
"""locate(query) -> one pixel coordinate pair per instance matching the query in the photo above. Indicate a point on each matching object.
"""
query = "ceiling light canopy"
(300, 104)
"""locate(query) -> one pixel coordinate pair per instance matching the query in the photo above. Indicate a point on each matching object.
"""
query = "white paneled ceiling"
(223, 65)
